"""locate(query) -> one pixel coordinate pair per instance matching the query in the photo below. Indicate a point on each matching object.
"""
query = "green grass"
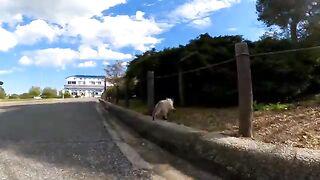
(211, 119)
(136, 105)
(271, 107)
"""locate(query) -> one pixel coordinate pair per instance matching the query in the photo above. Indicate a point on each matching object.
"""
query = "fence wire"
(285, 51)
(233, 59)
(197, 69)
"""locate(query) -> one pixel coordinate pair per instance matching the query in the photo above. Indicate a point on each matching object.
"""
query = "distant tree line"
(35, 91)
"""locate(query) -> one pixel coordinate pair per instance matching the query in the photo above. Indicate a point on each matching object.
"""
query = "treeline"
(35, 91)
(283, 77)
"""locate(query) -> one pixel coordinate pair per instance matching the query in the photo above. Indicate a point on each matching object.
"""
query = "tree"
(2, 93)
(288, 15)
(14, 96)
(25, 96)
(34, 91)
(67, 94)
(49, 92)
(114, 75)
(114, 72)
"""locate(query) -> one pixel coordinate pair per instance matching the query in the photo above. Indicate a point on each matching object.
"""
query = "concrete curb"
(242, 158)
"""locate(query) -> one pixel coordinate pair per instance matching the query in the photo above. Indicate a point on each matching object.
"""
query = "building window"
(92, 82)
(71, 82)
(99, 82)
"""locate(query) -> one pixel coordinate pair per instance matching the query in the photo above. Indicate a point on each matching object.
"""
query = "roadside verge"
(239, 157)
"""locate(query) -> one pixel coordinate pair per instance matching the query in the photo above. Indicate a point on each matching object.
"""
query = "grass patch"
(296, 124)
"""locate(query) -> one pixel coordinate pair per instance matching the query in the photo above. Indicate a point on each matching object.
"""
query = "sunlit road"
(59, 141)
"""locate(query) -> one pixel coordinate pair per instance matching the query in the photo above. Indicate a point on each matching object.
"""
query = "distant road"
(59, 141)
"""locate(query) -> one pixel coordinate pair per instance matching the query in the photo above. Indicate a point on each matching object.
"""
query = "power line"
(284, 51)
(197, 69)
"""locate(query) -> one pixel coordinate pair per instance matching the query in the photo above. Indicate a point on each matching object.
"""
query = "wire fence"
(197, 69)
(210, 66)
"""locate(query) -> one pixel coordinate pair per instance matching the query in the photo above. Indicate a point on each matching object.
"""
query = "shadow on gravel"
(63, 134)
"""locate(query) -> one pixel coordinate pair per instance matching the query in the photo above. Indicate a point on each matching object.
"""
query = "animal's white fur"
(162, 108)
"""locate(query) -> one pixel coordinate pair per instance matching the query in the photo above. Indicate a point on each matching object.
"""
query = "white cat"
(162, 108)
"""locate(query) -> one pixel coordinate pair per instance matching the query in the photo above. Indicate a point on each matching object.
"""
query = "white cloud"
(25, 60)
(35, 31)
(106, 63)
(197, 11)
(9, 71)
(52, 57)
(201, 23)
(137, 31)
(57, 11)
(102, 52)
(124, 64)
(232, 29)
(7, 40)
(73, 19)
(108, 54)
(2, 71)
(87, 64)
(118, 31)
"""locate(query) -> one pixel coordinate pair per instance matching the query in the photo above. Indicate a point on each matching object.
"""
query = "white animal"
(162, 108)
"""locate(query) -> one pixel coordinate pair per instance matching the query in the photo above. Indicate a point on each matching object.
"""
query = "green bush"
(14, 96)
(2, 93)
(275, 78)
(67, 94)
(25, 96)
(270, 107)
(49, 93)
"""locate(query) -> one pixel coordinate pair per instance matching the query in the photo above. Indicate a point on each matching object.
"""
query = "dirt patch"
(297, 127)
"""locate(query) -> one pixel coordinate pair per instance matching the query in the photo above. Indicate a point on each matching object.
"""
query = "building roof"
(85, 76)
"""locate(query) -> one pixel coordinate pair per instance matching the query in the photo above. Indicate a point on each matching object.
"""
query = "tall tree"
(49, 92)
(114, 72)
(2, 93)
(289, 15)
(114, 75)
(35, 91)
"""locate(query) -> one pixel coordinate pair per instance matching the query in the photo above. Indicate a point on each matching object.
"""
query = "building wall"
(85, 86)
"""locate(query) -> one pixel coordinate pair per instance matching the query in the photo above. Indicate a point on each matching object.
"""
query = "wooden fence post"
(244, 89)
(150, 79)
(117, 94)
(127, 97)
(181, 86)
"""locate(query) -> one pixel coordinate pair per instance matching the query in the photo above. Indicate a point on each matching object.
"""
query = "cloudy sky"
(42, 42)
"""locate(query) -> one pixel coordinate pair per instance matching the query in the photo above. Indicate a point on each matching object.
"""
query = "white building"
(85, 86)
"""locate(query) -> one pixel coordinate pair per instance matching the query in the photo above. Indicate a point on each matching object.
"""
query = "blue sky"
(42, 42)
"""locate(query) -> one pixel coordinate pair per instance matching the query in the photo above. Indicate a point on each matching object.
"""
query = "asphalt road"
(59, 141)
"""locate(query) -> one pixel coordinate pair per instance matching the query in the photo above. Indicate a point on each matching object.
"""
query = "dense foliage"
(49, 93)
(276, 78)
(2, 93)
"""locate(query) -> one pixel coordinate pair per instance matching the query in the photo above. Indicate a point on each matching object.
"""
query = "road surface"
(59, 141)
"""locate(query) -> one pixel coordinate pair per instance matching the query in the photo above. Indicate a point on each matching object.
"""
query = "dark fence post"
(105, 89)
(244, 89)
(127, 97)
(117, 94)
(150, 78)
(181, 86)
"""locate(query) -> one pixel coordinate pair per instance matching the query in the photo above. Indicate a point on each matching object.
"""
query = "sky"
(43, 42)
